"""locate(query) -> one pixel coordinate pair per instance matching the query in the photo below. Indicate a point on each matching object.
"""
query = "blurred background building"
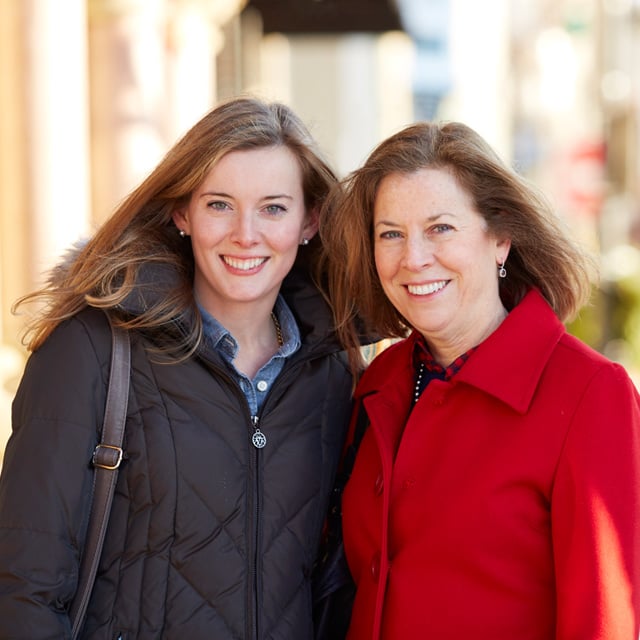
(93, 92)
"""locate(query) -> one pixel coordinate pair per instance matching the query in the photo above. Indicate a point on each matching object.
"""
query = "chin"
(428, 329)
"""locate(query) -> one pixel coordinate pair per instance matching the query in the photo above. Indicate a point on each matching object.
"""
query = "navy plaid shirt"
(432, 369)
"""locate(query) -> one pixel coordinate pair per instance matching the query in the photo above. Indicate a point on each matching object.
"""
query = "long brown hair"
(141, 231)
(542, 254)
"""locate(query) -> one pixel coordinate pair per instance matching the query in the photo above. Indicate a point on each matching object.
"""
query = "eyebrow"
(432, 218)
(222, 194)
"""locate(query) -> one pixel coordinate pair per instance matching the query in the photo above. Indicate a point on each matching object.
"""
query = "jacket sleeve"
(46, 482)
(596, 514)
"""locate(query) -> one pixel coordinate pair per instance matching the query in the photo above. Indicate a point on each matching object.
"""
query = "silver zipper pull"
(258, 438)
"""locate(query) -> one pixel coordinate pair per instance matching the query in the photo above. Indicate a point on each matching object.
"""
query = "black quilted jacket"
(209, 537)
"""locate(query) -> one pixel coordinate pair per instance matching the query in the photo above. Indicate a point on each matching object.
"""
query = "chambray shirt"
(225, 344)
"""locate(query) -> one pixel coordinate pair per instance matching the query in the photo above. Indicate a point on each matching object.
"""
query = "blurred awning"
(327, 16)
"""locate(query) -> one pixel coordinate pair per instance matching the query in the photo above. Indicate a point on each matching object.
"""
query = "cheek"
(288, 234)
(285, 246)
(385, 262)
(480, 273)
(378, 257)
(287, 242)
(208, 231)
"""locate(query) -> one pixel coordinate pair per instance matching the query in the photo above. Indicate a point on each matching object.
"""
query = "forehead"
(430, 190)
(279, 156)
(275, 167)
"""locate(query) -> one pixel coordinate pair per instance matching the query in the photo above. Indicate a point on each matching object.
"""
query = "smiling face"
(436, 261)
(246, 221)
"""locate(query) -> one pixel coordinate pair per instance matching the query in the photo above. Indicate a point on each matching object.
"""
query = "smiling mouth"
(243, 264)
(426, 289)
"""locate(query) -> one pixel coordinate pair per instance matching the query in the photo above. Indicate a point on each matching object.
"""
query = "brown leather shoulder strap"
(106, 460)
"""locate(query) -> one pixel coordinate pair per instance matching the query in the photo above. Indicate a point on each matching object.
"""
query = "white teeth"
(425, 289)
(243, 265)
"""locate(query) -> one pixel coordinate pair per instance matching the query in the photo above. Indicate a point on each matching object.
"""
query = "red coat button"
(375, 566)
(379, 484)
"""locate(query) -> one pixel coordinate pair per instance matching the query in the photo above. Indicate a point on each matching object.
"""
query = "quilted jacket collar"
(157, 281)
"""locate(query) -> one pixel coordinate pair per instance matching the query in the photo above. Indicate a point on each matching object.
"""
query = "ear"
(503, 246)
(181, 220)
(311, 223)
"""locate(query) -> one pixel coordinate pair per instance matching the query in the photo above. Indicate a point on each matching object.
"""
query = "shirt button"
(262, 385)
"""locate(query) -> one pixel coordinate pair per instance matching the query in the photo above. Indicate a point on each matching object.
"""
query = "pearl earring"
(305, 242)
(182, 233)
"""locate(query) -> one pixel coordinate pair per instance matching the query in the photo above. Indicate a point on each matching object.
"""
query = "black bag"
(332, 584)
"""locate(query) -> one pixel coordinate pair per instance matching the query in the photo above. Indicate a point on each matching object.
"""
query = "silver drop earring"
(502, 272)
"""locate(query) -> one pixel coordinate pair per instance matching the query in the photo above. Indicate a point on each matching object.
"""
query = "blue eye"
(441, 228)
(390, 235)
(218, 205)
(275, 209)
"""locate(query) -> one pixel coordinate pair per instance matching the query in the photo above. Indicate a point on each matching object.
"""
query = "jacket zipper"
(261, 439)
(257, 509)
(254, 450)
(258, 439)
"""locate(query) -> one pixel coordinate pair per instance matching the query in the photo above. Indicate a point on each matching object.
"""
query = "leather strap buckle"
(106, 456)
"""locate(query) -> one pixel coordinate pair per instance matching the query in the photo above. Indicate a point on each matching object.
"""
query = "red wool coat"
(506, 506)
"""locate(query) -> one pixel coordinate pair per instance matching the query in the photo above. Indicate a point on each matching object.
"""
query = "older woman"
(496, 490)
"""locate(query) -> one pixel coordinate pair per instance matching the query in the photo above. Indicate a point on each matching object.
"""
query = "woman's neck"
(258, 335)
(447, 351)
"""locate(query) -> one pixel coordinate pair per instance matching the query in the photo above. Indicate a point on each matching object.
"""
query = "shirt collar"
(422, 355)
(221, 339)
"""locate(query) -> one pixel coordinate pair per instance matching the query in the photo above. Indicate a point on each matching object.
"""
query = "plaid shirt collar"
(422, 355)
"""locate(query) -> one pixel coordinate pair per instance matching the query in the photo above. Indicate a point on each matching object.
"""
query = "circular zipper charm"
(258, 439)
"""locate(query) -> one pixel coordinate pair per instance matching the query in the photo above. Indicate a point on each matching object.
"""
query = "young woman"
(239, 400)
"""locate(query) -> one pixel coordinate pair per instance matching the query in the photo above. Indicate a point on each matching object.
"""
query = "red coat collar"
(507, 365)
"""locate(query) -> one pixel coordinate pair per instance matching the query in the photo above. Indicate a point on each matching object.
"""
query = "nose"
(418, 253)
(244, 232)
